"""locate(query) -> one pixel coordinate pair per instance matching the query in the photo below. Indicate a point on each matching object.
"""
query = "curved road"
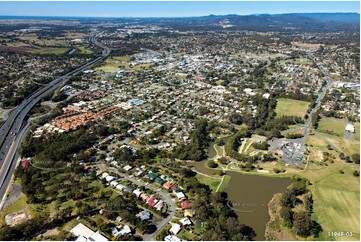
(167, 199)
(10, 137)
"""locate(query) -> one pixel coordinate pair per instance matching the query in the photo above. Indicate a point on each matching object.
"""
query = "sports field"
(114, 64)
(332, 126)
(291, 107)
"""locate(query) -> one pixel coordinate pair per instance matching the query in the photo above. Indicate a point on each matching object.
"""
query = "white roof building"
(175, 229)
(127, 167)
(350, 128)
(171, 238)
(185, 221)
(114, 183)
(137, 192)
(109, 178)
(266, 95)
(181, 195)
(120, 187)
(86, 234)
(125, 230)
(104, 175)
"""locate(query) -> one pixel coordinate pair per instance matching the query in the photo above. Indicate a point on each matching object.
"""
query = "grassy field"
(220, 82)
(291, 107)
(317, 145)
(337, 201)
(212, 182)
(336, 196)
(141, 67)
(356, 136)
(114, 64)
(184, 234)
(84, 51)
(332, 126)
(225, 183)
(349, 147)
(48, 51)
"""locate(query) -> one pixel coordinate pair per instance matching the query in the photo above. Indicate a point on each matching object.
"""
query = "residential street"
(167, 199)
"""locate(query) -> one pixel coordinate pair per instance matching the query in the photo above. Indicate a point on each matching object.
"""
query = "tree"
(223, 160)
(275, 133)
(356, 173)
(219, 142)
(212, 164)
(124, 154)
(302, 223)
(287, 216)
(356, 158)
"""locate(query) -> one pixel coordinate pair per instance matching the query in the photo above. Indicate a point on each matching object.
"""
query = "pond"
(249, 194)
(211, 151)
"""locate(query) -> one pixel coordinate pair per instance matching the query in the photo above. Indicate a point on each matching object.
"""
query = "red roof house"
(25, 164)
(168, 185)
(186, 204)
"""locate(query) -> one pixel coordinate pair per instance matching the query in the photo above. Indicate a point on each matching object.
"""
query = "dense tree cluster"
(57, 146)
(196, 149)
(299, 220)
(294, 136)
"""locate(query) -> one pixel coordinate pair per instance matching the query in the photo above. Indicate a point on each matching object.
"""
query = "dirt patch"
(50, 232)
(17, 217)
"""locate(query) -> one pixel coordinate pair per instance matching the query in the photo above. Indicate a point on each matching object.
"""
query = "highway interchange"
(14, 129)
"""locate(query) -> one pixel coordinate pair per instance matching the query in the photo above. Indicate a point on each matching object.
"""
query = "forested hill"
(290, 22)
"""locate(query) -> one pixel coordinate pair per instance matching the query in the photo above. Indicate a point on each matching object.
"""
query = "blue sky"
(170, 9)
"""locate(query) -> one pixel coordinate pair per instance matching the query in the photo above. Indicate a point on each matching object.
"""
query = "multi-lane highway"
(14, 129)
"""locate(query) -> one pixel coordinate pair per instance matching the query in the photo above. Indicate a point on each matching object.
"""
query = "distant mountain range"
(349, 22)
(335, 17)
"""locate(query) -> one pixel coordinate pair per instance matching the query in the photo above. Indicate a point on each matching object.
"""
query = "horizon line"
(195, 16)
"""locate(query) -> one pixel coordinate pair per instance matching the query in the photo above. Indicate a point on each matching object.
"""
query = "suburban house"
(175, 229)
(85, 234)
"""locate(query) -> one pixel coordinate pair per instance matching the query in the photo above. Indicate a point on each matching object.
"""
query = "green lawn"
(141, 67)
(220, 82)
(219, 149)
(212, 182)
(291, 107)
(336, 196)
(114, 63)
(48, 51)
(184, 234)
(332, 126)
(225, 183)
(337, 203)
(348, 146)
(84, 51)
(356, 136)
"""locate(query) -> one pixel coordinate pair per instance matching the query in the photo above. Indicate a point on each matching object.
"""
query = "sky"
(169, 9)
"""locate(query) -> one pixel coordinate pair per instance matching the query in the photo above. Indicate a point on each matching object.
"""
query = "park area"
(291, 107)
(116, 63)
(332, 126)
(334, 187)
(336, 199)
